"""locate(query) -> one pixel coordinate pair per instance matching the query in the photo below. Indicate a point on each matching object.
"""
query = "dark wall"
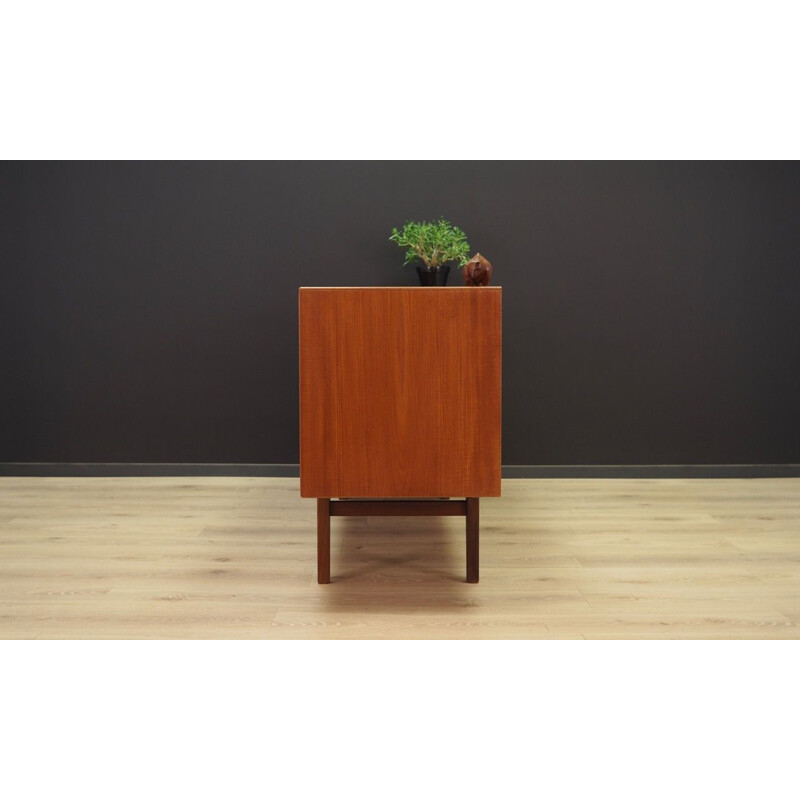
(148, 310)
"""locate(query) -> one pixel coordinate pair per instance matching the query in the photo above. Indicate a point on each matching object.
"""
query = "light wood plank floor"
(214, 558)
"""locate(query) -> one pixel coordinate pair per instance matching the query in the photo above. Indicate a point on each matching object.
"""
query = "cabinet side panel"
(400, 392)
(483, 397)
(318, 436)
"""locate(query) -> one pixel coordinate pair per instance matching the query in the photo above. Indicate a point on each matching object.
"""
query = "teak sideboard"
(400, 404)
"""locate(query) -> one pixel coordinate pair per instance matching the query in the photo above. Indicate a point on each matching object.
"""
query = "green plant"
(433, 243)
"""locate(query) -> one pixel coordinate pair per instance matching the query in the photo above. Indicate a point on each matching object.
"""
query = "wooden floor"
(213, 558)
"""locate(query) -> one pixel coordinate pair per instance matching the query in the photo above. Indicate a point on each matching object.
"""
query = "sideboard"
(400, 404)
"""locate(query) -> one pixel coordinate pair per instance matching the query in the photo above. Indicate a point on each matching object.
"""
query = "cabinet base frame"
(327, 508)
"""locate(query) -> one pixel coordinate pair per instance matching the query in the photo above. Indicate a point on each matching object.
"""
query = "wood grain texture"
(400, 392)
(216, 558)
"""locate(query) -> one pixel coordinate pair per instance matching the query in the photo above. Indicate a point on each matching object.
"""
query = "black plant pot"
(433, 277)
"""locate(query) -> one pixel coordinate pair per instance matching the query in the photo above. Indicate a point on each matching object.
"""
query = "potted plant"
(436, 245)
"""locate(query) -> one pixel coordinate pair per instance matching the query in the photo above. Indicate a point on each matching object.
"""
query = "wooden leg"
(323, 540)
(473, 526)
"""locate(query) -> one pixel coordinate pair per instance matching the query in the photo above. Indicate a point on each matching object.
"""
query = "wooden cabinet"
(400, 394)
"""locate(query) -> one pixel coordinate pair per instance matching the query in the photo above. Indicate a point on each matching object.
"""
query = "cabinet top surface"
(404, 288)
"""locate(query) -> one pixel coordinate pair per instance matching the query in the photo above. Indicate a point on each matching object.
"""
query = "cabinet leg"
(323, 540)
(473, 526)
